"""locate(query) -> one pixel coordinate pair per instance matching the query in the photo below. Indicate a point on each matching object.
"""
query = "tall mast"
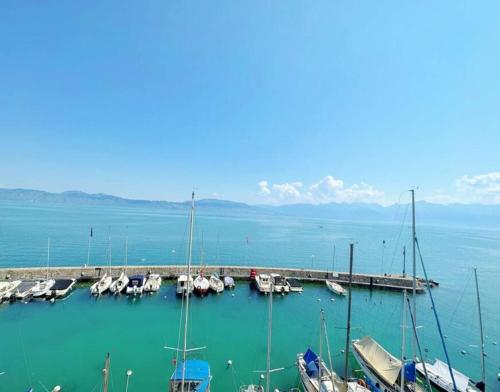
(403, 342)
(105, 374)
(269, 339)
(48, 256)
(348, 334)
(88, 247)
(320, 350)
(414, 292)
(483, 376)
(126, 251)
(404, 261)
(190, 253)
(333, 259)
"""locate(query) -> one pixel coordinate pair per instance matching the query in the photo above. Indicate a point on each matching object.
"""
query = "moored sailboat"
(335, 287)
(119, 284)
(189, 374)
(216, 284)
(7, 289)
(153, 283)
(201, 284)
(45, 285)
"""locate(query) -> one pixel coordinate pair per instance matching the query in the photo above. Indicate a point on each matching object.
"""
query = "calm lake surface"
(65, 343)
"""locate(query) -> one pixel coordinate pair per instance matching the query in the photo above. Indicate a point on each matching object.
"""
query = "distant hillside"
(463, 214)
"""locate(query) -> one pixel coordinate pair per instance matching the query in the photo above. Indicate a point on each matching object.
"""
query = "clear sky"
(257, 101)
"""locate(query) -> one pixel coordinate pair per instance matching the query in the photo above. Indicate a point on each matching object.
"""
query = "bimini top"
(195, 370)
(382, 362)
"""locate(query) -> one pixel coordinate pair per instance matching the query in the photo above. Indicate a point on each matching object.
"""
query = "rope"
(25, 356)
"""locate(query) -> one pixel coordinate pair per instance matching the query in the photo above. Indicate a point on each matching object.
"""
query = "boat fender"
(362, 382)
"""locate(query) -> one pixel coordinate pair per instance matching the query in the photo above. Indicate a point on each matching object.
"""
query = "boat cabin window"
(188, 385)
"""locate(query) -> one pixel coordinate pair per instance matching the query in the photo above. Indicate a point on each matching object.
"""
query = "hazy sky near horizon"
(256, 101)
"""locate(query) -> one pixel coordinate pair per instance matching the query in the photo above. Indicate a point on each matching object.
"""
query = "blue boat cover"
(410, 372)
(195, 370)
(311, 360)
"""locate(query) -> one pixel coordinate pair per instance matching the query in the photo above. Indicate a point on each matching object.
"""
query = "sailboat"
(189, 374)
(121, 282)
(216, 284)
(153, 283)
(439, 372)
(201, 284)
(45, 285)
(335, 287)
(314, 373)
(103, 284)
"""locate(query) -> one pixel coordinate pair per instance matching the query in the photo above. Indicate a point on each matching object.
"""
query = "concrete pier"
(92, 273)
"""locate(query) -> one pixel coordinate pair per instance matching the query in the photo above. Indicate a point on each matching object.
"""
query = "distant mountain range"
(473, 214)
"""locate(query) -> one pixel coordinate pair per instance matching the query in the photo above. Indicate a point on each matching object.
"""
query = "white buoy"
(332, 299)
(229, 363)
(494, 343)
(52, 300)
(261, 376)
(129, 373)
(232, 295)
(463, 352)
(342, 351)
(57, 388)
(319, 299)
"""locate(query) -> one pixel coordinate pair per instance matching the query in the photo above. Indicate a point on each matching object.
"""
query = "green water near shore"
(65, 343)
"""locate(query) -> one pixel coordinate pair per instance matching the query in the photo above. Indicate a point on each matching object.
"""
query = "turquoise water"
(65, 343)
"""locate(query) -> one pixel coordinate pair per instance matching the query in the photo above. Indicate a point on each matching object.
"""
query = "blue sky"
(255, 101)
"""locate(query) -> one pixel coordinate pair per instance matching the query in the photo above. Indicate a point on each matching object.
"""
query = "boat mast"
(88, 247)
(48, 256)
(414, 291)
(483, 375)
(190, 253)
(333, 259)
(349, 303)
(320, 351)
(126, 251)
(269, 339)
(105, 374)
(403, 342)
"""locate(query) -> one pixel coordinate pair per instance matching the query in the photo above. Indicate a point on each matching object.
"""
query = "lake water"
(65, 343)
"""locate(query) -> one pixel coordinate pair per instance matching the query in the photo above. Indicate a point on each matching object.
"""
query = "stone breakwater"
(92, 273)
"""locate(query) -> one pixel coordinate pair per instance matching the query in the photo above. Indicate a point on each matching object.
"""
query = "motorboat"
(263, 283)
(43, 288)
(184, 284)
(216, 284)
(153, 283)
(7, 289)
(279, 284)
(294, 285)
(252, 388)
(61, 288)
(315, 376)
(201, 285)
(135, 285)
(229, 282)
(194, 374)
(26, 288)
(335, 287)
(102, 285)
(119, 284)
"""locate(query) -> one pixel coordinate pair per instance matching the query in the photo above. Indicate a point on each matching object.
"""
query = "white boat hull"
(102, 285)
(335, 288)
(153, 283)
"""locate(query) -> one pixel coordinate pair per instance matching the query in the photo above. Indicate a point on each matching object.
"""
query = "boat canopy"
(386, 365)
(441, 370)
(195, 370)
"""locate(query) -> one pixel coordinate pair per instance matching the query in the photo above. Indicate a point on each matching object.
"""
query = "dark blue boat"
(196, 376)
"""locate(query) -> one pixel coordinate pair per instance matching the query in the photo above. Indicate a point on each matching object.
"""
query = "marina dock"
(170, 272)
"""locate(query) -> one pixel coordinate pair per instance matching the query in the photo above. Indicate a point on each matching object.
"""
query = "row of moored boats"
(28, 289)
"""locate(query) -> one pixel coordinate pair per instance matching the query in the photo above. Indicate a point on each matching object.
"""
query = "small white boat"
(119, 284)
(153, 283)
(7, 289)
(229, 282)
(335, 287)
(440, 378)
(136, 285)
(294, 285)
(43, 288)
(216, 284)
(61, 288)
(184, 284)
(263, 283)
(102, 285)
(252, 388)
(26, 288)
(279, 284)
(201, 285)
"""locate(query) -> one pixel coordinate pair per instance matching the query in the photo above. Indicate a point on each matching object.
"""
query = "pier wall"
(386, 281)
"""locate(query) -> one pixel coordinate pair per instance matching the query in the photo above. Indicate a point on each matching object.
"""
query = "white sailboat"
(189, 374)
(216, 285)
(201, 284)
(153, 283)
(45, 285)
(103, 284)
(335, 287)
(121, 282)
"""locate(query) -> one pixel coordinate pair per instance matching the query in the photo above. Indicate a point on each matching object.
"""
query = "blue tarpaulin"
(410, 372)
